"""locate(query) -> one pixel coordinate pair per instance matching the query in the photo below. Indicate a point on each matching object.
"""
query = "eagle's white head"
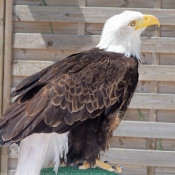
(121, 33)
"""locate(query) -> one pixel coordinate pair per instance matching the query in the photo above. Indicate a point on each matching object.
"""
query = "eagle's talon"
(114, 167)
(117, 169)
(77, 165)
(84, 166)
(122, 167)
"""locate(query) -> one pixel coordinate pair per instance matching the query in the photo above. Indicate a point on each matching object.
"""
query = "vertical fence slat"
(81, 25)
(2, 2)
(7, 74)
(8, 53)
(82, 3)
(2, 6)
(154, 89)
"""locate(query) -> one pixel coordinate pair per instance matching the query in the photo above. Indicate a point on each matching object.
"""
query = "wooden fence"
(39, 32)
(1, 50)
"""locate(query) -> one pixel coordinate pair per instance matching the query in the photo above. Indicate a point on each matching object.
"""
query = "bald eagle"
(70, 109)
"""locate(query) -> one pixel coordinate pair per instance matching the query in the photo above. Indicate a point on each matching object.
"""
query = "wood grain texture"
(83, 14)
(164, 170)
(27, 68)
(48, 2)
(8, 53)
(82, 3)
(41, 55)
(168, 4)
(7, 74)
(166, 88)
(156, 73)
(91, 3)
(128, 143)
(154, 89)
(153, 101)
(74, 42)
(40, 41)
(1, 50)
(81, 25)
(140, 157)
(146, 130)
(44, 28)
(2, 15)
(140, 143)
(166, 116)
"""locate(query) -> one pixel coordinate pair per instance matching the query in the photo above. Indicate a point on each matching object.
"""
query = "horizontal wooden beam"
(146, 130)
(140, 157)
(83, 14)
(75, 42)
(54, 41)
(132, 157)
(156, 73)
(153, 101)
(27, 68)
(146, 72)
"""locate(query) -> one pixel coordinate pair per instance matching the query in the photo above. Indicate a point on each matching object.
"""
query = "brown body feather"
(79, 94)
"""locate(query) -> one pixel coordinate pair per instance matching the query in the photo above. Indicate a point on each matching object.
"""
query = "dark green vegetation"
(76, 171)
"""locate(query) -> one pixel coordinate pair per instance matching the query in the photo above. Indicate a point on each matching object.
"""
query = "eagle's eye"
(132, 23)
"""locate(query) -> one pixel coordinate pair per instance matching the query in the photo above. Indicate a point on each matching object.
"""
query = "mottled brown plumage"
(79, 94)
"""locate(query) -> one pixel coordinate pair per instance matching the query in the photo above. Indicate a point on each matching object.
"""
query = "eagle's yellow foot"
(101, 165)
(105, 166)
(84, 166)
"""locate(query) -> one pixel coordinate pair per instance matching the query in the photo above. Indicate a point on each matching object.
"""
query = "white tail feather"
(39, 150)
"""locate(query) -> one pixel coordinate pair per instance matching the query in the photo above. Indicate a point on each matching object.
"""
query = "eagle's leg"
(102, 165)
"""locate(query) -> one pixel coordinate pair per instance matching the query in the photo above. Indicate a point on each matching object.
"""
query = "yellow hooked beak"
(147, 20)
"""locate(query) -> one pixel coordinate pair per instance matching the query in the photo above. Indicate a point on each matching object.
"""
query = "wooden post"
(7, 74)
(81, 25)
(2, 6)
(154, 89)
(2, 10)
(8, 53)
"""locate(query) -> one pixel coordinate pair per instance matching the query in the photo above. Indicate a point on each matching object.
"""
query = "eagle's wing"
(65, 94)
